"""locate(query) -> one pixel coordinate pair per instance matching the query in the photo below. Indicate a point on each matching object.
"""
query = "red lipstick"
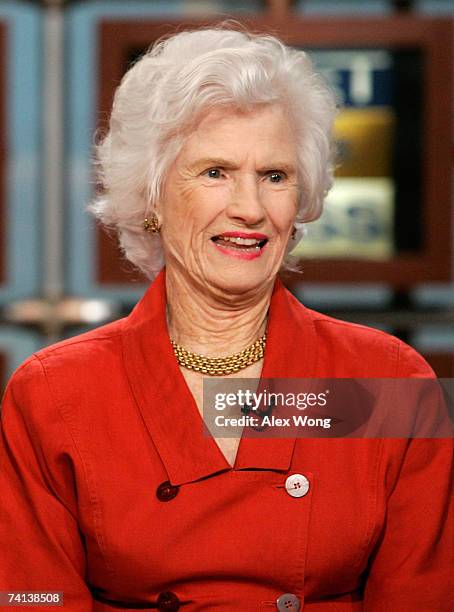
(237, 249)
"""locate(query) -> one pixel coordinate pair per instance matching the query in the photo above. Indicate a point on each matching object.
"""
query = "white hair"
(165, 92)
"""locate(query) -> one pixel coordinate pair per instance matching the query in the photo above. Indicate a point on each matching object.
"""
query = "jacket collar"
(167, 406)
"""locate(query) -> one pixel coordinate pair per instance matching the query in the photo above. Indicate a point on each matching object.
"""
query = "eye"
(276, 177)
(213, 173)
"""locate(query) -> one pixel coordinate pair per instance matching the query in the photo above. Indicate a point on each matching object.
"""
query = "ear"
(296, 238)
(154, 210)
(158, 209)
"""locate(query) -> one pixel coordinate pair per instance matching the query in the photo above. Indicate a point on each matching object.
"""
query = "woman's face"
(230, 199)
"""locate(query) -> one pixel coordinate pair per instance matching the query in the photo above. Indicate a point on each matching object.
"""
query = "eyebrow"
(219, 162)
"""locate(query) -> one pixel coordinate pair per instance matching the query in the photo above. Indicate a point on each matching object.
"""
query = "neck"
(212, 324)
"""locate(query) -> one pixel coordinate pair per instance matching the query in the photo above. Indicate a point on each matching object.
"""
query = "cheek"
(204, 208)
(188, 227)
(282, 213)
(194, 207)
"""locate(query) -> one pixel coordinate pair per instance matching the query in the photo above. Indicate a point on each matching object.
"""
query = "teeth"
(243, 241)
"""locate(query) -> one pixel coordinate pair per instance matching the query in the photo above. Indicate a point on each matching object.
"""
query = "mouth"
(241, 245)
(241, 242)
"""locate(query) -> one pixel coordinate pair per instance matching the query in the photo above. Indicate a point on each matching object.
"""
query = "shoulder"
(72, 361)
(358, 350)
(89, 345)
(380, 353)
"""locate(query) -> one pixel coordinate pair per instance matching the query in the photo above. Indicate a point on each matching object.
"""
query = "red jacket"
(93, 426)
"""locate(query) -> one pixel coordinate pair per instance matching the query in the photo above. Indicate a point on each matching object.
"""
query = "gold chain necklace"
(220, 366)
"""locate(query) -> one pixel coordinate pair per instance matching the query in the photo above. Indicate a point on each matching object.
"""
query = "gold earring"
(151, 225)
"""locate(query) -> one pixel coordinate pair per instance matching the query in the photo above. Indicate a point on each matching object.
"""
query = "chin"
(238, 282)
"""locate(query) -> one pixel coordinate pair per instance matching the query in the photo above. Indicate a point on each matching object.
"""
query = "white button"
(297, 485)
(287, 601)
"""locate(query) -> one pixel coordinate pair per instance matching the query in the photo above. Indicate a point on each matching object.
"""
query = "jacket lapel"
(291, 352)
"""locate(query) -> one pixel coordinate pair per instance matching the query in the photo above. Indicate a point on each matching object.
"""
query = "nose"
(245, 203)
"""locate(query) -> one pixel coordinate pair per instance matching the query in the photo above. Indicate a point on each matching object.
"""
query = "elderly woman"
(219, 148)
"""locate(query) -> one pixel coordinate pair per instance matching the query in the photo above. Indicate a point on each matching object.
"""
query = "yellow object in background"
(365, 141)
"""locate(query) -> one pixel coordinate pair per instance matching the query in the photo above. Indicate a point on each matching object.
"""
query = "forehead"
(263, 132)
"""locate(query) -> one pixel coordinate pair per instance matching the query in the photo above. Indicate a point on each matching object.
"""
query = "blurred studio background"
(382, 254)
